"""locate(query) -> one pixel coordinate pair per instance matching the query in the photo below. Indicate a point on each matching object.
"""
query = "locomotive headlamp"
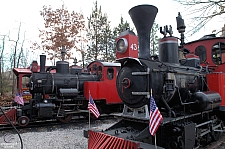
(121, 45)
(39, 81)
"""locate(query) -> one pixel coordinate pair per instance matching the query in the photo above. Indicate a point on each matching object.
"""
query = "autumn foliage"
(62, 28)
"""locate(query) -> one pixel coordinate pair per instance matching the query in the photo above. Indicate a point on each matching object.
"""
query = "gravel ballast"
(68, 136)
(55, 137)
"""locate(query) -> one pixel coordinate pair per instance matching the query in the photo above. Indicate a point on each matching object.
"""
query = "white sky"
(28, 12)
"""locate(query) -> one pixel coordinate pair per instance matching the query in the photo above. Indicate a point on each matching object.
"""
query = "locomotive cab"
(23, 75)
(106, 87)
(211, 51)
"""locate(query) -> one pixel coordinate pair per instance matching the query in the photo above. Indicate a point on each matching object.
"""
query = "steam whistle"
(181, 29)
(75, 61)
(180, 23)
(169, 30)
(63, 53)
(166, 30)
(163, 31)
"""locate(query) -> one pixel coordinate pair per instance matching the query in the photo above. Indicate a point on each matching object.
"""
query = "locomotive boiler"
(178, 86)
(65, 83)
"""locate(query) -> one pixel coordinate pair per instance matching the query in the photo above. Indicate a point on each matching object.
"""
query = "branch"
(204, 10)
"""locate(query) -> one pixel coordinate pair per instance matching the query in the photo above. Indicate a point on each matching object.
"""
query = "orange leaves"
(62, 28)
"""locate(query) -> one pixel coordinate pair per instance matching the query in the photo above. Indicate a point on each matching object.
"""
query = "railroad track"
(37, 124)
(217, 144)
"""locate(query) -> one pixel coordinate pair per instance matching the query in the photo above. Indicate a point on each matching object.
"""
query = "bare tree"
(203, 10)
(1, 67)
(20, 53)
(14, 57)
(5, 69)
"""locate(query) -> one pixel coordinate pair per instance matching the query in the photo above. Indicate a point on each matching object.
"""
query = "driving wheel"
(65, 119)
(217, 130)
(23, 121)
(217, 134)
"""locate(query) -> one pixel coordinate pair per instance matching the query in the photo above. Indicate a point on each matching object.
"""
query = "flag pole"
(89, 114)
(155, 133)
(89, 119)
(155, 141)
(150, 100)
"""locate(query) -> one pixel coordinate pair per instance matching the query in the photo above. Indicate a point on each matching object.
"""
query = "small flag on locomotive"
(155, 117)
(92, 107)
(19, 99)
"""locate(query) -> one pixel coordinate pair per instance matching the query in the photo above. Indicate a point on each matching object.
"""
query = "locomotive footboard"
(184, 132)
(124, 134)
(101, 141)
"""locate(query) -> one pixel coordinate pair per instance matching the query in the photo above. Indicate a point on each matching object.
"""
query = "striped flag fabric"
(155, 117)
(92, 107)
(19, 99)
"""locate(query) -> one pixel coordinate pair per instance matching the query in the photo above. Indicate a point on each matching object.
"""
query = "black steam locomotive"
(56, 95)
(190, 110)
(62, 91)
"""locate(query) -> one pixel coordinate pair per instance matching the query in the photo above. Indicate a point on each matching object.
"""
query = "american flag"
(155, 117)
(92, 107)
(19, 99)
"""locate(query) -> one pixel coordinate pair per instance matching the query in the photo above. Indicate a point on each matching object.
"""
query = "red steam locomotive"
(187, 84)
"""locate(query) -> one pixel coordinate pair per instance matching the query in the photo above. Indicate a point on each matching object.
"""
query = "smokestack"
(42, 63)
(143, 17)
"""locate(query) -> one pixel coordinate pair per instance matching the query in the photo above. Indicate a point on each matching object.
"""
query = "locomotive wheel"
(216, 134)
(181, 144)
(23, 121)
(176, 145)
(65, 119)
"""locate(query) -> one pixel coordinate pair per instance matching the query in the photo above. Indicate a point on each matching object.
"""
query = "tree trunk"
(14, 59)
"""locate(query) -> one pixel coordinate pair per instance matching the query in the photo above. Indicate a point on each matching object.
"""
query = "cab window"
(99, 71)
(25, 79)
(94, 69)
(110, 73)
(201, 52)
(218, 53)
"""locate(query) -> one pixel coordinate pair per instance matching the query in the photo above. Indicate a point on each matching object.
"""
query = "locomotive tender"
(191, 112)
